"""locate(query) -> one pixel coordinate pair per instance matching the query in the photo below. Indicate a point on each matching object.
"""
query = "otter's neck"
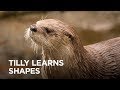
(77, 63)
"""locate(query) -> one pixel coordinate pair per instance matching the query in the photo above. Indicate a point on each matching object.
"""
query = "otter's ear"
(69, 35)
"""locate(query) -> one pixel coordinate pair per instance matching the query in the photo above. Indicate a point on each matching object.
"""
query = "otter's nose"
(33, 28)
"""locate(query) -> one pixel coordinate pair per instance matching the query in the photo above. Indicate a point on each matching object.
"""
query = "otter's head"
(51, 34)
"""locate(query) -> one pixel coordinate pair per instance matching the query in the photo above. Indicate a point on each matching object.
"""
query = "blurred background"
(92, 27)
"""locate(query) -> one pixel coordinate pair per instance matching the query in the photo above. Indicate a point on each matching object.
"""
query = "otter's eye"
(48, 30)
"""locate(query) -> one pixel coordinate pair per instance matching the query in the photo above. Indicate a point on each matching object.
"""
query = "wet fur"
(97, 61)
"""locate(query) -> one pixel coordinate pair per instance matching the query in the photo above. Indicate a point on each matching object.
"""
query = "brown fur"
(57, 40)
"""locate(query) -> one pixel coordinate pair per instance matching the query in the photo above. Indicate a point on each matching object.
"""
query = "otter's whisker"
(43, 53)
(45, 16)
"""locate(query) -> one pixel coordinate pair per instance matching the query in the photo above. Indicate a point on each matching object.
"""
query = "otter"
(56, 40)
